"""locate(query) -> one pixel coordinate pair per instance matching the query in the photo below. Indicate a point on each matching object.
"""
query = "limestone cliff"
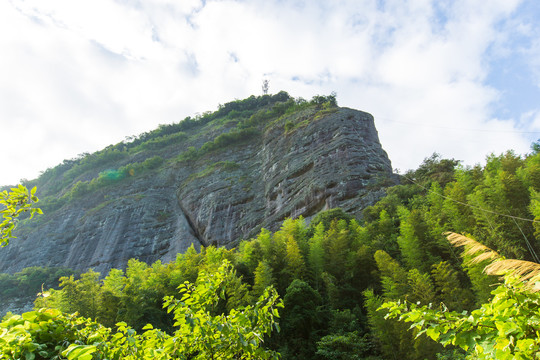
(217, 181)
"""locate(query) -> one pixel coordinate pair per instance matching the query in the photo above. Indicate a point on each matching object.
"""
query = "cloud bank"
(77, 77)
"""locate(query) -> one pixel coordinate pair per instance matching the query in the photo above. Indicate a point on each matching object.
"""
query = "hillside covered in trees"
(334, 273)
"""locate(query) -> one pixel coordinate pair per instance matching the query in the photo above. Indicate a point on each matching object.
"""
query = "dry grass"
(526, 272)
(472, 247)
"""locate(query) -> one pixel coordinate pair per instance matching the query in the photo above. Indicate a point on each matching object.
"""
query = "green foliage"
(230, 138)
(236, 334)
(394, 278)
(29, 281)
(289, 109)
(348, 346)
(190, 154)
(346, 340)
(220, 165)
(408, 241)
(295, 266)
(233, 137)
(336, 264)
(325, 102)
(161, 142)
(45, 333)
(332, 267)
(111, 176)
(302, 320)
(506, 327)
(70, 170)
(327, 216)
(449, 289)
(200, 333)
(263, 279)
(83, 294)
(14, 203)
(289, 126)
(434, 170)
(316, 255)
(391, 337)
(422, 289)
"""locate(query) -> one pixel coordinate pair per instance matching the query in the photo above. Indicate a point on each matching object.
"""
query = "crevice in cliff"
(192, 227)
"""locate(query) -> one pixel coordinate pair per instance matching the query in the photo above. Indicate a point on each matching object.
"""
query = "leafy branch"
(506, 327)
(12, 204)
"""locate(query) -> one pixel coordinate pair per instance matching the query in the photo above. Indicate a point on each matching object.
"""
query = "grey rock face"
(333, 160)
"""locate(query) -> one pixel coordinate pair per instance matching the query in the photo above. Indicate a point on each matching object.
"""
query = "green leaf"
(30, 316)
(433, 333)
(79, 352)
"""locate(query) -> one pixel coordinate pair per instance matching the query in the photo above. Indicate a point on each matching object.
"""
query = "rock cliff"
(214, 183)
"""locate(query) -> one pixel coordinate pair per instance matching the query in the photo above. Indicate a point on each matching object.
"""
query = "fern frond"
(472, 248)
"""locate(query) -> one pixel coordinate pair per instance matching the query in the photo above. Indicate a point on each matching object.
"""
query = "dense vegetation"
(29, 281)
(506, 327)
(203, 329)
(335, 273)
(206, 327)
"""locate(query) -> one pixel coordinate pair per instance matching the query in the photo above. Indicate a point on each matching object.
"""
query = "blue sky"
(513, 66)
(461, 78)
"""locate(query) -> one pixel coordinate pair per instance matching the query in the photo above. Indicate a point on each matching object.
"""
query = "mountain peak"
(212, 180)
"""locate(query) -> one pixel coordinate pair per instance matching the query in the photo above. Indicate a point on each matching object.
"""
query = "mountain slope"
(211, 180)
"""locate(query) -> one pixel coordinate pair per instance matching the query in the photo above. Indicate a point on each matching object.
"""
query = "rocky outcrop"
(325, 159)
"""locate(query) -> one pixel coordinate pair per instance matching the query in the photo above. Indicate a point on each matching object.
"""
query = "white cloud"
(120, 29)
(531, 120)
(79, 76)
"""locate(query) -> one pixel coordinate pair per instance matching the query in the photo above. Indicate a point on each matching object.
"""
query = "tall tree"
(449, 289)
(316, 255)
(301, 320)
(390, 336)
(408, 241)
(263, 279)
(394, 277)
(295, 266)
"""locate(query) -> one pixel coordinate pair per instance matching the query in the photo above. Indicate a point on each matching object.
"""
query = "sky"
(460, 78)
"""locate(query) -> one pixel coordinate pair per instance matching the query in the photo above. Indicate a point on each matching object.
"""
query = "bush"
(161, 142)
(29, 281)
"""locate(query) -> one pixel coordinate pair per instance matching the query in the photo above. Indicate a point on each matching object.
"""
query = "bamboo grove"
(334, 275)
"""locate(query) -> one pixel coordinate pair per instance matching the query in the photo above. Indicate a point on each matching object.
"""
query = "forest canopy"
(335, 272)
